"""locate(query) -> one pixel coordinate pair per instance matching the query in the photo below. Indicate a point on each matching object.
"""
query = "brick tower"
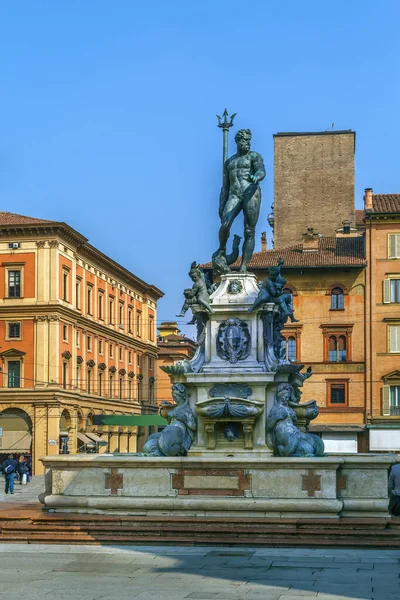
(313, 184)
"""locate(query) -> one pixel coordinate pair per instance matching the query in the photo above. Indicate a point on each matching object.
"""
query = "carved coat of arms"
(233, 340)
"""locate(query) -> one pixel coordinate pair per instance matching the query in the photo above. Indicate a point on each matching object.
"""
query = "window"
(337, 395)
(14, 330)
(151, 392)
(130, 357)
(13, 245)
(121, 316)
(64, 375)
(121, 381)
(100, 310)
(138, 323)
(14, 285)
(337, 342)
(65, 333)
(337, 299)
(289, 346)
(77, 339)
(394, 400)
(129, 320)
(65, 286)
(394, 245)
(14, 374)
(129, 389)
(77, 293)
(89, 381)
(151, 363)
(337, 348)
(111, 351)
(100, 346)
(139, 360)
(111, 311)
(391, 290)
(89, 300)
(89, 343)
(139, 390)
(394, 338)
(121, 353)
(111, 385)
(151, 328)
(100, 383)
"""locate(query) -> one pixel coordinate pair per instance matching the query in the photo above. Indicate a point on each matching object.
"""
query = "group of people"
(19, 469)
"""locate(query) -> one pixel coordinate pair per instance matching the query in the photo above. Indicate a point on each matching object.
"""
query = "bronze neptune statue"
(240, 192)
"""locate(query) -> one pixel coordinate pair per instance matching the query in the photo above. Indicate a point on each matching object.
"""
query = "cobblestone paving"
(201, 573)
(23, 493)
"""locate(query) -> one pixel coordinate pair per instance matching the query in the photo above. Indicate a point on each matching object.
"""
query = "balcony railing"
(395, 411)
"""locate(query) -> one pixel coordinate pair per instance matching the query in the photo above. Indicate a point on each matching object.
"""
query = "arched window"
(337, 348)
(289, 346)
(337, 299)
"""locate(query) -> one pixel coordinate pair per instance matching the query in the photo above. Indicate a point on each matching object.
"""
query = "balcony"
(395, 411)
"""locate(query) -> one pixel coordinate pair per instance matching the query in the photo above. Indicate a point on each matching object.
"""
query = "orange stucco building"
(382, 221)
(172, 346)
(78, 338)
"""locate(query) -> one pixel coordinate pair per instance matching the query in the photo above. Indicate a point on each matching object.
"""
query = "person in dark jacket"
(22, 469)
(9, 468)
(394, 490)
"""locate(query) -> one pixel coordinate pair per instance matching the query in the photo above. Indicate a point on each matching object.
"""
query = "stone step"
(32, 525)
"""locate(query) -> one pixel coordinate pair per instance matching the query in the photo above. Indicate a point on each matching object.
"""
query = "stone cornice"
(83, 249)
(57, 397)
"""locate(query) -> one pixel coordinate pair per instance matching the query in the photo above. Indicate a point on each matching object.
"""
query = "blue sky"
(108, 111)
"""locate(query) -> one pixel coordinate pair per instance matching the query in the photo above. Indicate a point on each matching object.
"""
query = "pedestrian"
(22, 469)
(29, 463)
(394, 490)
(9, 467)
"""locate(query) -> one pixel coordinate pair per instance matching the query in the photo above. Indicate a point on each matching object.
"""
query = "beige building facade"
(78, 335)
(382, 221)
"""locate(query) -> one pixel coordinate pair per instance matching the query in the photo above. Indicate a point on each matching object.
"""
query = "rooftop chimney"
(264, 241)
(311, 240)
(346, 227)
(368, 199)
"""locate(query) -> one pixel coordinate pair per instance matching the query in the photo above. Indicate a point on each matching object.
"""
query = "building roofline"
(328, 132)
(82, 243)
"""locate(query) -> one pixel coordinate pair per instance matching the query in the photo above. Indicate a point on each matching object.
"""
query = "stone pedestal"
(330, 487)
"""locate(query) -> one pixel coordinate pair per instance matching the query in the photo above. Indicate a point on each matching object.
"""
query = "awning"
(83, 438)
(130, 420)
(336, 428)
(96, 438)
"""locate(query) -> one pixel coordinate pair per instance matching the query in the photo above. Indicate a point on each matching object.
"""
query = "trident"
(225, 125)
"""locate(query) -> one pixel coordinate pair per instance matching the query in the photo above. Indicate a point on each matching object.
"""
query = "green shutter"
(386, 291)
(386, 400)
(394, 245)
(394, 338)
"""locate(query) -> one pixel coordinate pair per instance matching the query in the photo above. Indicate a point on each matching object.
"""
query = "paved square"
(201, 573)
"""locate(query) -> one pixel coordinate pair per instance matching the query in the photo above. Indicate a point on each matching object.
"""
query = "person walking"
(394, 490)
(9, 467)
(22, 469)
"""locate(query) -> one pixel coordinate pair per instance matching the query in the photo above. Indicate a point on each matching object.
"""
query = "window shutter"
(386, 400)
(394, 339)
(386, 291)
(394, 245)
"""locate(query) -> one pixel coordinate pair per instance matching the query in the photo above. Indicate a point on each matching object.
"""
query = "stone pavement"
(201, 573)
(23, 493)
